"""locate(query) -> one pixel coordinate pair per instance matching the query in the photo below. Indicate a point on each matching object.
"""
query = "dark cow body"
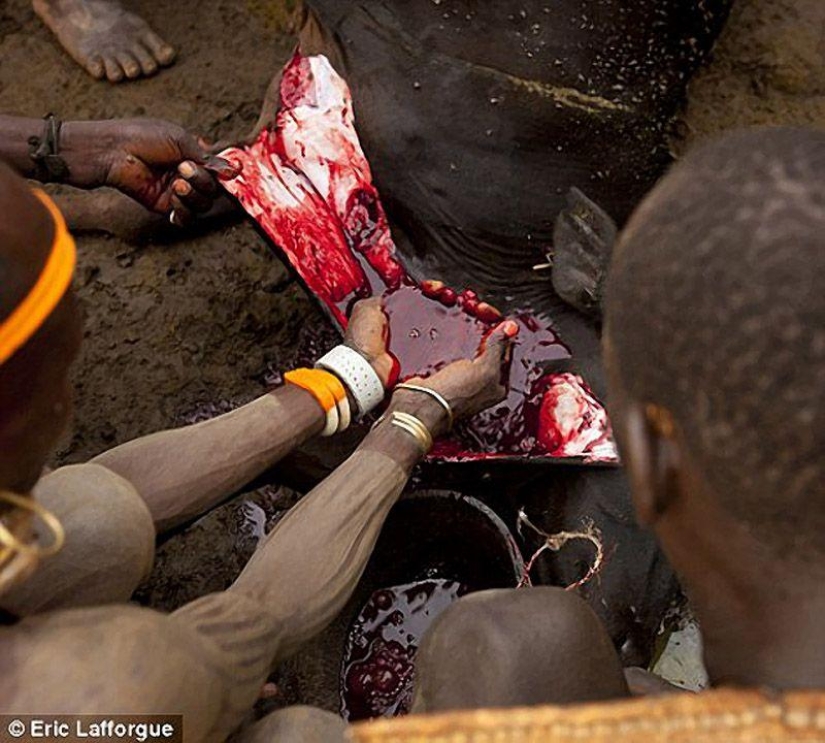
(478, 118)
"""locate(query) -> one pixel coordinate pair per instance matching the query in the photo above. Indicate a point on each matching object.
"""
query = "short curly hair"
(715, 305)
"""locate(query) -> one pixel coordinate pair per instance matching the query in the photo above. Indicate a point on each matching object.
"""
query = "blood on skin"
(308, 184)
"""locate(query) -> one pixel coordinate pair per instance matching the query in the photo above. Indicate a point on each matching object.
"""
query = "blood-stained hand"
(469, 385)
(158, 163)
(368, 333)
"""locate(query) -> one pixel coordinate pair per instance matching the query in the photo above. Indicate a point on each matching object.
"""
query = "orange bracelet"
(334, 385)
(323, 386)
(330, 393)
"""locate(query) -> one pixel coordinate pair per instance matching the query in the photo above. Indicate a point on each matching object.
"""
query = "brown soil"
(173, 326)
(179, 330)
(768, 68)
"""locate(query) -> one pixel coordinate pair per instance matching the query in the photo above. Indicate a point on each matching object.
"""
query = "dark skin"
(36, 401)
(761, 623)
(761, 617)
(105, 39)
(31, 431)
(158, 164)
(35, 391)
(525, 638)
(284, 595)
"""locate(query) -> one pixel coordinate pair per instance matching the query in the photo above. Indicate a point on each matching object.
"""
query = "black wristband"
(45, 152)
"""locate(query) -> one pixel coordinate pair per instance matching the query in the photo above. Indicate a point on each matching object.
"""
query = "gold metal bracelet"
(439, 398)
(414, 427)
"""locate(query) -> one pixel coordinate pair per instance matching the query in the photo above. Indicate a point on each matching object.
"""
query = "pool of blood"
(378, 671)
(308, 184)
(426, 335)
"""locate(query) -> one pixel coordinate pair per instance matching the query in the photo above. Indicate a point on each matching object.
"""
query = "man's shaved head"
(716, 311)
(35, 398)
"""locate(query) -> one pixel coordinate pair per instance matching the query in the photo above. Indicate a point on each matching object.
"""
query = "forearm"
(183, 472)
(309, 565)
(82, 145)
(15, 132)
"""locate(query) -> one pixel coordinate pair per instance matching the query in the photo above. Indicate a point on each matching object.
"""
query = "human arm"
(308, 566)
(157, 163)
(209, 659)
(183, 472)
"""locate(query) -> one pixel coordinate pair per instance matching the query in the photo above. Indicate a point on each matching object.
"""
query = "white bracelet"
(344, 416)
(333, 420)
(357, 375)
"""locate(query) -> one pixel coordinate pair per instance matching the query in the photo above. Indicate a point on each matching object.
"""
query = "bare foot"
(104, 38)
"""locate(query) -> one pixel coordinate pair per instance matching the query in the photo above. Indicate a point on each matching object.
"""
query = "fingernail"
(487, 313)
(431, 288)
(186, 169)
(510, 328)
(223, 167)
(182, 188)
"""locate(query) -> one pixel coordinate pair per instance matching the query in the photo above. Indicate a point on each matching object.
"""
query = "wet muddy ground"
(176, 331)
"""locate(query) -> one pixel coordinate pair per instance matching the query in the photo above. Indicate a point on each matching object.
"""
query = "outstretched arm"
(309, 565)
(209, 659)
(183, 472)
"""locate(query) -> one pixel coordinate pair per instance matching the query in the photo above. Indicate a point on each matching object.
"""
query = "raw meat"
(308, 184)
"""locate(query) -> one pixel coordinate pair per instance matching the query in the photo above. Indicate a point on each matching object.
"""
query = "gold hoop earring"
(12, 543)
(14, 568)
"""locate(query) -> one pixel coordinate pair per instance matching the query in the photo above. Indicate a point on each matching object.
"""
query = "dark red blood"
(448, 297)
(378, 669)
(510, 428)
(367, 227)
(426, 335)
(309, 186)
(295, 81)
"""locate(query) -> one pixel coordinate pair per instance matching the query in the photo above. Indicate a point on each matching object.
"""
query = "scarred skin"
(105, 39)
